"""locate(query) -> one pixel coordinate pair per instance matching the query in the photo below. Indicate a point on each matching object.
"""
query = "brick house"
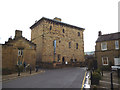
(107, 48)
(57, 41)
(18, 51)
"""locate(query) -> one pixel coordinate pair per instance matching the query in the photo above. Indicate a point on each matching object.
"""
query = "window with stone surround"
(50, 27)
(69, 44)
(105, 60)
(63, 31)
(116, 44)
(104, 46)
(76, 45)
(20, 52)
(58, 57)
(78, 33)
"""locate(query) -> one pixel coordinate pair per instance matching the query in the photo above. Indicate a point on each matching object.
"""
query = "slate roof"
(15, 39)
(108, 37)
(55, 21)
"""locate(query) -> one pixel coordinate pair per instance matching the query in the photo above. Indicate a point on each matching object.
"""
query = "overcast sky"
(93, 15)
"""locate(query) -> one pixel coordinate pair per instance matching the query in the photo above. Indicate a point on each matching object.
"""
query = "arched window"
(76, 45)
(50, 27)
(78, 33)
(69, 44)
(63, 31)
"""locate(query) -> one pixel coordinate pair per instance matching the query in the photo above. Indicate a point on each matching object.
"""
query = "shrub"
(20, 67)
(95, 78)
(106, 68)
(6, 71)
(98, 71)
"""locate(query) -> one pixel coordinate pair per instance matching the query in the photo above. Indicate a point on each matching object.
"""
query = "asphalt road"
(55, 78)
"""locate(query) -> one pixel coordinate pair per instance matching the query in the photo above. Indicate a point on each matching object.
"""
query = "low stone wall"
(50, 65)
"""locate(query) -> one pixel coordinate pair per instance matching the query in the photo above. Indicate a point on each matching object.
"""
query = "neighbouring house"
(57, 41)
(107, 49)
(18, 51)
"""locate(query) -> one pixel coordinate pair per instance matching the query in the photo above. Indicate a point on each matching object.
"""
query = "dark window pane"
(63, 31)
(50, 27)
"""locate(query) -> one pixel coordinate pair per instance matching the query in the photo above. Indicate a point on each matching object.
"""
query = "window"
(54, 43)
(69, 44)
(78, 33)
(58, 57)
(104, 46)
(59, 41)
(116, 44)
(105, 60)
(76, 45)
(50, 27)
(63, 31)
(20, 52)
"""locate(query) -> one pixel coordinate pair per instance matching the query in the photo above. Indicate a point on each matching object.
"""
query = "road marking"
(83, 81)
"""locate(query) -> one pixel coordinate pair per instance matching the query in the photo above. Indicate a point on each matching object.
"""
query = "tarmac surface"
(52, 78)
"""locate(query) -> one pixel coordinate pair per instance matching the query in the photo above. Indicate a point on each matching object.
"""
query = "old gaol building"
(57, 41)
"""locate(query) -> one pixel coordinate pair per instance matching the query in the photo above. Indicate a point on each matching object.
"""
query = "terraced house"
(107, 48)
(57, 41)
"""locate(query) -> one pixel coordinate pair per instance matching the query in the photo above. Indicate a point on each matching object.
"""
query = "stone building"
(107, 48)
(18, 51)
(57, 41)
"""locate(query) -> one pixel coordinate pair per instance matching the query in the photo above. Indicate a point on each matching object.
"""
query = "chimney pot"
(99, 33)
(57, 19)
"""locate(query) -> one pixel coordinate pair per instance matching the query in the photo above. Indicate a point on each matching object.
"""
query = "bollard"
(18, 71)
(30, 70)
(111, 82)
(102, 72)
(91, 77)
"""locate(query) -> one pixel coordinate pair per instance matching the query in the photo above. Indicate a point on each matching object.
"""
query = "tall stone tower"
(57, 41)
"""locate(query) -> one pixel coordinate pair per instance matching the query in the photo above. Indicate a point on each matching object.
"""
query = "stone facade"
(111, 52)
(69, 41)
(17, 50)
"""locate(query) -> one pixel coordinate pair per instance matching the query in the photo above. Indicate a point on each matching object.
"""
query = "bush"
(95, 78)
(98, 71)
(6, 71)
(20, 67)
(106, 68)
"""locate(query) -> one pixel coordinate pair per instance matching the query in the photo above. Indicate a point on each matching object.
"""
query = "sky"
(93, 15)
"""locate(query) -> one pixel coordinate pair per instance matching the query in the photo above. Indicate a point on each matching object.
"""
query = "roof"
(55, 21)
(109, 37)
(15, 39)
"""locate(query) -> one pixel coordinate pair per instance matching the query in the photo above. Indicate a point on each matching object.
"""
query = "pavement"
(105, 82)
(22, 74)
(54, 78)
(87, 81)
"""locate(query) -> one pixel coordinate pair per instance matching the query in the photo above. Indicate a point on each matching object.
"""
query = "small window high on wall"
(20, 52)
(116, 44)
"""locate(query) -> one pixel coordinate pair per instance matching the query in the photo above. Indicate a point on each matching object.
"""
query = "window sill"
(103, 49)
(105, 64)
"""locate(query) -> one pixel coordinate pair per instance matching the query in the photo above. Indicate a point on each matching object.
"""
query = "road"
(54, 78)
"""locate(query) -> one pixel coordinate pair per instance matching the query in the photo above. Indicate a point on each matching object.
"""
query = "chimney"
(99, 33)
(57, 19)
(18, 33)
(10, 39)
